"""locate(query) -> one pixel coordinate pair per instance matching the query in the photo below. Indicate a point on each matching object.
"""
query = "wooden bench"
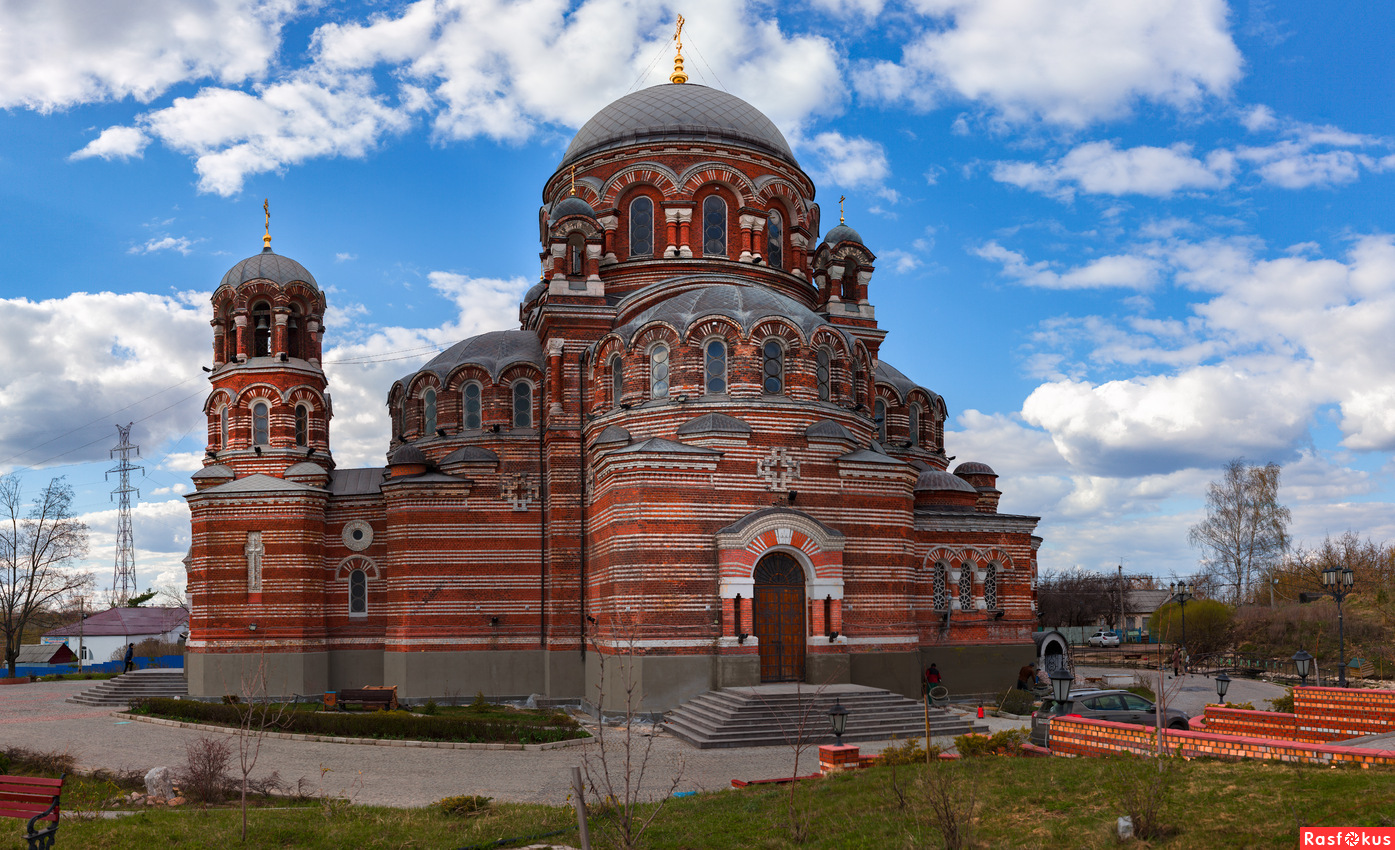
(34, 798)
(375, 697)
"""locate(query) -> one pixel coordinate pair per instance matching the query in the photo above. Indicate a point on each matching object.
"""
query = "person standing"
(932, 677)
(130, 658)
(1176, 661)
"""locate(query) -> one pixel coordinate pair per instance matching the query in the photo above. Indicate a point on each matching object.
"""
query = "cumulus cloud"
(60, 53)
(1068, 63)
(850, 162)
(1127, 271)
(1099, 168)
(114, 143)
(163, 243)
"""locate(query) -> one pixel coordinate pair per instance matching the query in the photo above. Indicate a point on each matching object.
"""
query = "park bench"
(34, 798)
(374, 697)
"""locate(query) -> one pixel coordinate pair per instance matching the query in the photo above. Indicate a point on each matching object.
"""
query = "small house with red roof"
(103, 636)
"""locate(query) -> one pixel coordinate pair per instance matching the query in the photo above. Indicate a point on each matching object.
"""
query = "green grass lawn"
(1030, 803)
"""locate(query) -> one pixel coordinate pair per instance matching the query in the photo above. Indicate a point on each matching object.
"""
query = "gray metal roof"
(659, 444)
(494, 352)
(217, 470)
(570, 205)
(673, 113)
(938, 479)
(827, 429)
(869, 456)
(746, 304)
(613, 434)
(470, 454)
(44, 653)
(888, 374)
(356, 482)
(306, 468)
(259, 483)
(714, 423)
(973, 467)
(842, 233)
(408, 454)
(270, 266)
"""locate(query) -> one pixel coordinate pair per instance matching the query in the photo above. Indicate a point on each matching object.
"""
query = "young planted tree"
(259, 715)
(37, 550)
(1245, 532)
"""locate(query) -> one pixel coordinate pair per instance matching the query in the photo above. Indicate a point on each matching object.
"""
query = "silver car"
(1096, 704)
(1104, 638)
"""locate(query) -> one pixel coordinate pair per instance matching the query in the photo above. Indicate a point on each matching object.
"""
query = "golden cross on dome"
(266, 208)
(678, 75)
(841, 199)
(573, 179)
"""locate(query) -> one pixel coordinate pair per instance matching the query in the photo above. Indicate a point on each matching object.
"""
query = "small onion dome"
(570, 205)
(973, 467)
(268, 265)
(938, 490)
(407, 460)
(307, 473)
(842, 233)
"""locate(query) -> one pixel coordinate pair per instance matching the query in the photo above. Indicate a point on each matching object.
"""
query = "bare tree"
(1077, 598)
(258, 715)
(37, 549)
(1245, 532)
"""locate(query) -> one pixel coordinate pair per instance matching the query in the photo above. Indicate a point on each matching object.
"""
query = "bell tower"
(269, 408)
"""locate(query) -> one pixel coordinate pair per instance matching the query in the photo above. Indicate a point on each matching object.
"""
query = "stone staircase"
(768, 715)
(119, 692)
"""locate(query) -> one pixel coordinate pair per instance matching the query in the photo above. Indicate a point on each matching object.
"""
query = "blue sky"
(1127, 242)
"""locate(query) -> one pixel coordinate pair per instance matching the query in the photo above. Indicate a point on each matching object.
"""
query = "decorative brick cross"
(779, 468)
(518, 490)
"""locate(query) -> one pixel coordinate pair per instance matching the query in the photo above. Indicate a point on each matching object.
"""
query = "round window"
(358, 535)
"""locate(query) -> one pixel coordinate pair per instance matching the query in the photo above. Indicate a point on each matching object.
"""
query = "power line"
(123, 580)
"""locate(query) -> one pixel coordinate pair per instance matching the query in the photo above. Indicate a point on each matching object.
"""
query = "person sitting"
(1026, 677)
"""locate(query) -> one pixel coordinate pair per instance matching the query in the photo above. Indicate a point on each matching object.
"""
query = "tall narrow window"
(261, 429)
(716, 369)
(576, 253)
(824, 362)
(302, 426)
(472, 406)
(293, 347)
(428, 412)
(915, 425)
(879, 417)
(358, 592)
(617, 380)
(775, 240)
(658, 372)
(523, 405)
(714, 227)
(773, 382)
(966, 587)
(223, 427)
(641, 227)
(940, 587)
(261, 329)
(990, 588)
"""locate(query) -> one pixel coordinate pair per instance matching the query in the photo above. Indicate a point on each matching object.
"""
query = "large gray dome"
(745, 304)
(686, 112)
(269, 266)
(494, 352)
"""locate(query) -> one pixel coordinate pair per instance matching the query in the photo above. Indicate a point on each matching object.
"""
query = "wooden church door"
(779, 618)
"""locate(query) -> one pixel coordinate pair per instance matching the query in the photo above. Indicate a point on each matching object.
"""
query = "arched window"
(472, 406)
(261, 430)
(223, 427)
(302, 426)
(879, 417)
(775, 240)
(940, 587)
(641, 227)
(966, 587)
(658, 372)
(402, 414)
(714, 227)
(773, 381)
(358, 592)
(261, 329)
(990, 588)
(849, 287)
(715, 374)
(523, 405)
(576, 254)
(824, 362)
(293, 347)
(915, 425)
(617, 380)
(428, 412)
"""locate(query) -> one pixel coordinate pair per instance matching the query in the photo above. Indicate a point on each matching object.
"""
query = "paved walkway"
(36, 716)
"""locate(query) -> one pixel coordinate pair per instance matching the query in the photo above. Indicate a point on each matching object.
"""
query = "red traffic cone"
(980, 712)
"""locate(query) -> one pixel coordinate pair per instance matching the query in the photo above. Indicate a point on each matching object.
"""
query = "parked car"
(1097, 704)
(1103, 637)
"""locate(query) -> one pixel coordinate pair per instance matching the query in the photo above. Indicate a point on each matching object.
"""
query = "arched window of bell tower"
(714, 226)
(617, 380)
(261, 424)
(261, 329)
(428, 412)
(775, 240)
(472, 404)
(576, 254)
(293, 331)
(302, 426)
(642, 227)
(223, 427)
(879, 417)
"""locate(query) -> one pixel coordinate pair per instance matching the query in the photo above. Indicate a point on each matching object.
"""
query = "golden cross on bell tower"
(841, 199)
(678, 75)
(573, 179)
(266, 208)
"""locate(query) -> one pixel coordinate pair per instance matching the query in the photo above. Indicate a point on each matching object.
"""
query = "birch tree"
(1245, 533)
(37, 551)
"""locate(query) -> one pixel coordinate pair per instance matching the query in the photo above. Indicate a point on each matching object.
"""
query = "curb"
(371, 742)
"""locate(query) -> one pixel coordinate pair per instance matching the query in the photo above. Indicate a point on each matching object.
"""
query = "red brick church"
(689, 452)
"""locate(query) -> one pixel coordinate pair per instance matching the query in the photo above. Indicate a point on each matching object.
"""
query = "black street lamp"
(1337, 584)
(838, 716)
(1180, 594)
(1060, 689)
(1222, 685)
(1304, 662)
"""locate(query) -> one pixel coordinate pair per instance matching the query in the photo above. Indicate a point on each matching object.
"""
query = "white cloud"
(1068, 63)
(345, 257)
(1127, 271)
(848, 8)
(60, 53)
(114, 143)
(163, 243)
(850, 162)
(1258, 118)
(1101, 168)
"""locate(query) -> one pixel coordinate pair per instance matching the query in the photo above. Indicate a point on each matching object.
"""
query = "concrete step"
(138, 684)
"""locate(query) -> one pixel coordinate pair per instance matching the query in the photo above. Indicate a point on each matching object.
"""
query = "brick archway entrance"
(779, 613)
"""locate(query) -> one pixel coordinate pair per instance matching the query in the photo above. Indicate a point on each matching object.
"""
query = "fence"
(175, 662)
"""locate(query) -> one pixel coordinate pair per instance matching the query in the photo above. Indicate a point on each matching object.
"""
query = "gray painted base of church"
(661, 682)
